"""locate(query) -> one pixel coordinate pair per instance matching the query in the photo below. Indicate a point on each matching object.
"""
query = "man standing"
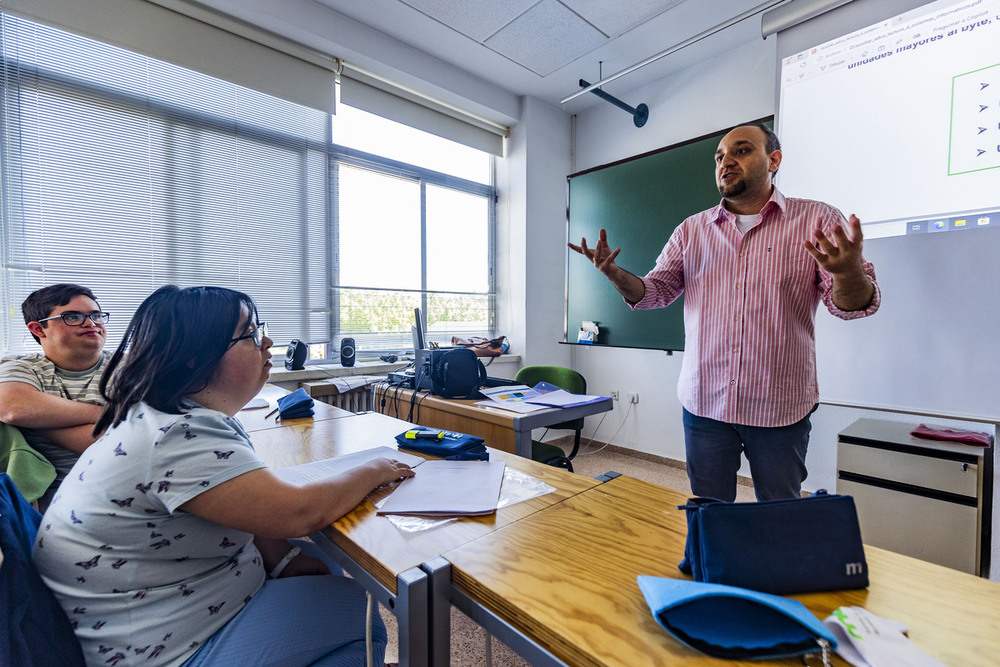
(753, 270)
(54, 397)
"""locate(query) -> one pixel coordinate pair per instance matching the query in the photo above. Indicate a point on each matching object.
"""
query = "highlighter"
(416, 434)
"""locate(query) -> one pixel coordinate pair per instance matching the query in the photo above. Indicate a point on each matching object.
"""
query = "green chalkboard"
(639, 201)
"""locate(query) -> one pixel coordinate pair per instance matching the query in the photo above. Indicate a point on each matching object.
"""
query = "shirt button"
(732, 382)
(737, 317)
(737, 285)
(735, 350)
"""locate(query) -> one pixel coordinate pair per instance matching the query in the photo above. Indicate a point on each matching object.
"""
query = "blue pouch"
(296, 404)
(448, 445)
(795, 545)
(734, 623)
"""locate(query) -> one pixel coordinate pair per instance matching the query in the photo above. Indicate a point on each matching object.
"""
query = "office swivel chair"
(574, 383)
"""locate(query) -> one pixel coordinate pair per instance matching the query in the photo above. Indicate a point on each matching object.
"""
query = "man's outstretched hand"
(602, 256)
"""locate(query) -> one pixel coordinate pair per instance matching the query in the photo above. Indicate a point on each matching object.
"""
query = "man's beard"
(733, 189)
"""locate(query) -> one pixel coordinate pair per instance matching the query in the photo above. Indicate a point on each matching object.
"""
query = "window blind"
(291, 73)
(129, 173)
(378, 96)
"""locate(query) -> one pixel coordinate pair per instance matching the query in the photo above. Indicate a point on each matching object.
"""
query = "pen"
(268, 415)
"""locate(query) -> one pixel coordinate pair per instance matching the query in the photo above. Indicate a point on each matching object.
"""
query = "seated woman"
(161, 541)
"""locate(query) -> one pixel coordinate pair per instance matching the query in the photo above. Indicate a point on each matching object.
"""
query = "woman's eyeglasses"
(257, 336)
(72, 318)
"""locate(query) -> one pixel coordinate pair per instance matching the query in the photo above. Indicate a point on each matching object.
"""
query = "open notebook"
(439, 488)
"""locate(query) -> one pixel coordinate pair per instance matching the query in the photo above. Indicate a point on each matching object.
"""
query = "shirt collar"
(774, 206)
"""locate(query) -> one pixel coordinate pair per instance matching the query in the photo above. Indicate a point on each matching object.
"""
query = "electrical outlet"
(633, 397)
(614, 396)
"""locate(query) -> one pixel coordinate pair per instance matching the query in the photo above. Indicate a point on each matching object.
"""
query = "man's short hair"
(41, 302)
(771, 141)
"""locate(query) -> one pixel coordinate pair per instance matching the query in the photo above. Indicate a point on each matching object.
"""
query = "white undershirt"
(745, 223)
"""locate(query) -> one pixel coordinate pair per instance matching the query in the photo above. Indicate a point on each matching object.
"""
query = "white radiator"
(356, 400)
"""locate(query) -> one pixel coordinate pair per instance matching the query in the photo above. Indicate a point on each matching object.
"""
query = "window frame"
(336, 155)
(342, 155)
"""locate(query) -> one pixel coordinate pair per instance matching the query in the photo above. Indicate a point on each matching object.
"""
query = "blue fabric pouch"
(448, 445)
(796, 545)
(34, 629)
(296, 404)
(734, 623)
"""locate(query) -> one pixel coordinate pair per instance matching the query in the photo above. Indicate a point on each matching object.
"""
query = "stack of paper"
(439, 488)
(317, 470)
(512, 397)
(448, 488)
(521, 398)
(551, 395)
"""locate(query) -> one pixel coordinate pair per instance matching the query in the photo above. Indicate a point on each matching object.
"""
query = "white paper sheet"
(448, 488)
(317, 470)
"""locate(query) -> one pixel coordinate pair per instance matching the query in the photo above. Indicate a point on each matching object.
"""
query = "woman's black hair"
(173, 343)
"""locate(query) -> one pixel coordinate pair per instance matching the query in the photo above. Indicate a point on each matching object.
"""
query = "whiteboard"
(934, 345)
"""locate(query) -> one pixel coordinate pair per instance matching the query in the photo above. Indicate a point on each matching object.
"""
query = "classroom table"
(559, 587)
(384, 559)
(257, 419)
(501, 429)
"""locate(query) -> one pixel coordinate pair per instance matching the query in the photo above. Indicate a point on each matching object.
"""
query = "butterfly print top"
(142, 581)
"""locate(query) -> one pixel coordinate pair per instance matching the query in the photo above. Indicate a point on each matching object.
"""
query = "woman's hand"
(390, 470)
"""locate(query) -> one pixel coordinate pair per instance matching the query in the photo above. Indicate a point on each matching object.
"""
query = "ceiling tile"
(546, 37)
(615, 18)
(477, 19)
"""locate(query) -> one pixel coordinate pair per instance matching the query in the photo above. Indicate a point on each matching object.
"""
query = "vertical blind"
(126, 172)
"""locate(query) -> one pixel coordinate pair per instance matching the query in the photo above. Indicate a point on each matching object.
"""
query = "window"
(123, 173)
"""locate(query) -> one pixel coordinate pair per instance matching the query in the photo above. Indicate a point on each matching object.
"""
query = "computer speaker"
(346, 351)
(295, 355)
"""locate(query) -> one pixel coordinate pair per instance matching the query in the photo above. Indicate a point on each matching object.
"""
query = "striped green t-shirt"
(37, 370)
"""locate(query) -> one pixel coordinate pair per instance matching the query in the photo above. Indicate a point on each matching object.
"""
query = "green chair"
(574, 383)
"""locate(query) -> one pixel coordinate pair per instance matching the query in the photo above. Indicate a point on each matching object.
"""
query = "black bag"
(456, 373)
(796, 545)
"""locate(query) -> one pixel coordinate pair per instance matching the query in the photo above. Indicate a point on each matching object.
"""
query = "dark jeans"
(777, 457)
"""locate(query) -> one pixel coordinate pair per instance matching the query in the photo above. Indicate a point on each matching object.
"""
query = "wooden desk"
(559, 587)
(385, 560)
(257, 419)
(501, 429)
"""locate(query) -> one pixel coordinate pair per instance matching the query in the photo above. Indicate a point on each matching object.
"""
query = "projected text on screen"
(899, 122)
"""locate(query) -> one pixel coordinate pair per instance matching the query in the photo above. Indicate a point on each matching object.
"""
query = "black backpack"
(456, 373)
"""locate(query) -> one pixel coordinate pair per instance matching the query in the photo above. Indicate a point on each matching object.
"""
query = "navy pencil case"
(451, 445)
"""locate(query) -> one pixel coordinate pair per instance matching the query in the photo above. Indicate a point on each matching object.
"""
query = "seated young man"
(53, 397)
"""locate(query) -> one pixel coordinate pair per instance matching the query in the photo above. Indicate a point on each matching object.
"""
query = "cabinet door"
(933, 530)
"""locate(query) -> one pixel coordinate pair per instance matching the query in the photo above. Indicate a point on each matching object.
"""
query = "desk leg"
(443, 595)
(439, 574)
(522, 443)
(411, 612)
(409, 603)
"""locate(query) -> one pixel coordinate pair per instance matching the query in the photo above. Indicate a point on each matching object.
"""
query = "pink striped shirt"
(749, 310)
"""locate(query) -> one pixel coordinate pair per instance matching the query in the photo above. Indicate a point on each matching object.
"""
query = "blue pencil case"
(784, 547)
(449, 445)
(734, 623)
(295, 405)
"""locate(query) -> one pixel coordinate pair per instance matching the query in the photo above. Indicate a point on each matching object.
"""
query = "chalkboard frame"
(656, 191)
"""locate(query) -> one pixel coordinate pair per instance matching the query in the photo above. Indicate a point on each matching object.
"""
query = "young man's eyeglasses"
(257, 335)
(72, 318)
